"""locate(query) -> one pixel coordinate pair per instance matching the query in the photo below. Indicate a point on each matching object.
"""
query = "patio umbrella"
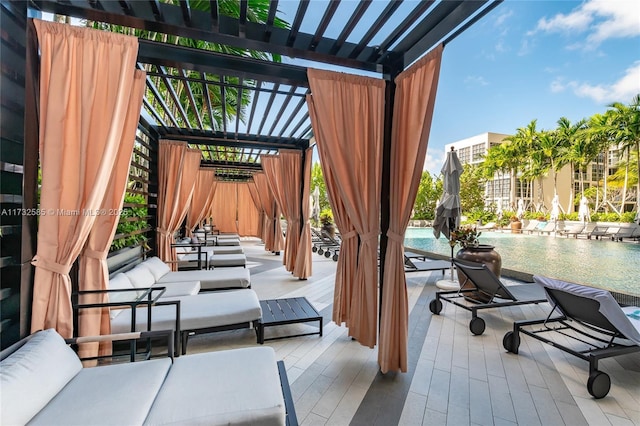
(555, 208)
(583, 211)
(520, 211)
(316, 203)
(499, 208)
(448, 212)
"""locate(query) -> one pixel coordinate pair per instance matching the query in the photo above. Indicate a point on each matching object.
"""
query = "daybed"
(43, 382)
(188, 314)
(217, 279)
(487, 292)
(588, 316)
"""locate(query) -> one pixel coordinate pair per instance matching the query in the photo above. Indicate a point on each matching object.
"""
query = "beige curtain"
(351, 109)
(253, 190)
(271, 230)
(94, 272)
(248, 213)
(178, 168)
(303, 259)
(86, 83)
(345, 270)
(412, 113)
(225, 206)
(203, 192)
(283, 173)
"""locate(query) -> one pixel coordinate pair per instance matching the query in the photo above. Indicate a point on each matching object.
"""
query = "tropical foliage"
(133, 223)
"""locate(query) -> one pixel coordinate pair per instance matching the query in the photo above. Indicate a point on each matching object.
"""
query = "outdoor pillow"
(157, 267)
(141, 277)
(44, 363)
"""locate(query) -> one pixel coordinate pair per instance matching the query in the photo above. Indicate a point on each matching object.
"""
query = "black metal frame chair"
(487, 292)
(580, 320)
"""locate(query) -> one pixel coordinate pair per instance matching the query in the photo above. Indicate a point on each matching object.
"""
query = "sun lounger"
(180, 309)
(414, 265)
(588, 229)
(630, 231)
(597, 232)
(487, 226)
(488, 292)
(546, 228)
(572, 231)
(214, 279)
(588, 316)
(190, 315)
(531, 226)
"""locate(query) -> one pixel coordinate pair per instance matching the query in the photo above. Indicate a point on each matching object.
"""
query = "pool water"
(614, 266)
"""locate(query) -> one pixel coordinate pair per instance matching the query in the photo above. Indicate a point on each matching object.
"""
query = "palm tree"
(519, 148)
(625, 121)
(577, 149)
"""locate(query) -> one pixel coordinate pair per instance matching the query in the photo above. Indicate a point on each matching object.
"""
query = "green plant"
(326, 217)
(466, 236)
(132, 224)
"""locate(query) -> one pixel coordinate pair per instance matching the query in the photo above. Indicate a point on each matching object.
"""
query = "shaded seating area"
(585, 322)
(481, 289)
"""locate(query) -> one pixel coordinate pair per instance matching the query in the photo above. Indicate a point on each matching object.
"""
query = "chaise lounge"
(487, 292)
(43, 382)
(217, 279)
(587, 316)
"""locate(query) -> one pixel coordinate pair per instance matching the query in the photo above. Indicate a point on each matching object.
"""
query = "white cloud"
(600, 19)
(502, 18)
(434, 161)
(557, 85)
(475, 80)
(621, 90)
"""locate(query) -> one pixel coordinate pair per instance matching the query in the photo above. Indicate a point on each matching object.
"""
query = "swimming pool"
(611, 265)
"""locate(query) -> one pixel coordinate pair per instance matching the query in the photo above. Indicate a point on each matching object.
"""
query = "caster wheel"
(320, 252)
(511, 342)
(327, 254)
(477, 326)
(598, 384)
(314, 249)
(435, 306)
(335, 257)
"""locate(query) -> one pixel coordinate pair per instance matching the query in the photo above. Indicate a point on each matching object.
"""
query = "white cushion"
(214, 279)
(239, 386)
(33, 375)
(157, 267)
(141, 277)
(119, 394)
(227, 260)
(119, 282)
(196, 312)
(180, 288)
(184, 249)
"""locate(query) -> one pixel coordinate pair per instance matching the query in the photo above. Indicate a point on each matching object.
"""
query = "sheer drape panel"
(284, 174)
(303, 258)
(345, 272)
(202, 198)
(86, 81)
(225, 207)
(253, 190)
(178, 168)
(412, 113)
(351, 108)
(272, 231)
(94, 272)
(248, 213)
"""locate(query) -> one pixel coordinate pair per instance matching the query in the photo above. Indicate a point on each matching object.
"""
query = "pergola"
(379, 38)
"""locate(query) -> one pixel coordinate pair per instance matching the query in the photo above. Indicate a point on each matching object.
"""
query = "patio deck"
(454, 378)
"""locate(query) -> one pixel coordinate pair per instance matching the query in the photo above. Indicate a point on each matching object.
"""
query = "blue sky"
(535, 60)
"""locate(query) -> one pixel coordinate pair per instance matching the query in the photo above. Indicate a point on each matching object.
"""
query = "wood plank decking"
(454, 378)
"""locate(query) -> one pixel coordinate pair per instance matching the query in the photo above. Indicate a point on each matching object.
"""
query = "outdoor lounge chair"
(487, 226)
(183, 312)
(630, 231)
(588, 316)
(597, 232)
(548, 228)
(487, 292)
(572, 231)
(531, 226)
(414, 265)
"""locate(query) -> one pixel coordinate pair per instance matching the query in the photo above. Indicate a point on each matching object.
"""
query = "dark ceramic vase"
(329, 229)
(483, 253)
